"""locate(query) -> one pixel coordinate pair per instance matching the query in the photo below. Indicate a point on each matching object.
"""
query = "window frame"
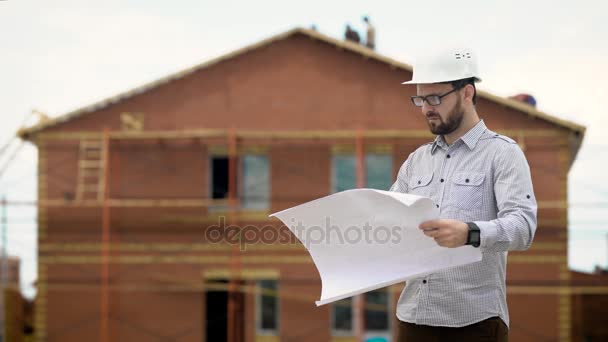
(336, 332)
(221, 152)
(389, 307)
(258, 309)
(241, 181)
(347, 152)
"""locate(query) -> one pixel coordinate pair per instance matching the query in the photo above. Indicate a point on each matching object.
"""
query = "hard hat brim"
(477, 80)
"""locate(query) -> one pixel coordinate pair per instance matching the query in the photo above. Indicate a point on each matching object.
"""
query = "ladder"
(91, 161)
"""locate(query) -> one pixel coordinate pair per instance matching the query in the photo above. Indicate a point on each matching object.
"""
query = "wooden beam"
(164, 247)
(359, 300)
(219, 247)
(134, 202)
(233, 331)
(40, 317)
(250, 259)
(250, 274)
(562, 290)
(185, 202)
(104, 298)
(277, 134)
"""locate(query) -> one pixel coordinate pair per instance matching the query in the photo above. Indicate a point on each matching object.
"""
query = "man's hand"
(447, 233)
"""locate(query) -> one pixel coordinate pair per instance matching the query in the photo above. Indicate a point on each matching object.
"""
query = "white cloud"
(570, 83)
(69, 58)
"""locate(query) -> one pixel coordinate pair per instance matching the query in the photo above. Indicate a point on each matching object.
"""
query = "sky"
(61, 55)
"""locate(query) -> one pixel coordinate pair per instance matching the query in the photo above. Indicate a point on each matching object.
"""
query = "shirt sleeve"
(516, 221)
(400, 184)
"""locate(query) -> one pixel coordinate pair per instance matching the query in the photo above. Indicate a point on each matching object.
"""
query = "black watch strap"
(474, 235)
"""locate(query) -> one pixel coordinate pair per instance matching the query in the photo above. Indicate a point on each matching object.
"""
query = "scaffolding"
(93, 190)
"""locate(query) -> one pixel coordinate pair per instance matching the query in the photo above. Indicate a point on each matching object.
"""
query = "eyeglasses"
(433, 100)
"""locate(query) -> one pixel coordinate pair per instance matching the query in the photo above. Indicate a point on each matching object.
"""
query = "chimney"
(525, 98)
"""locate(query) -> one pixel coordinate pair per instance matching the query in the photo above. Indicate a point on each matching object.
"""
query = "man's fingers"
(433, 224)
(429, 224)
(433, 232)
(445, 242)
(441, 242)
(430, 230)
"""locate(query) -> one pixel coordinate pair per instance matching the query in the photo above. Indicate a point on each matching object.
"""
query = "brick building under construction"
(132, 189)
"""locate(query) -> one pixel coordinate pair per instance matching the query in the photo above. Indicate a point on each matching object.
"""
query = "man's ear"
(469, 92)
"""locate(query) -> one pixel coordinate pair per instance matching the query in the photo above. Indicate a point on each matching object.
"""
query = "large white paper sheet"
(364, 239)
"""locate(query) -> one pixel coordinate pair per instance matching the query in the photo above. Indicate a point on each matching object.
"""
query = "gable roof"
(26, 133)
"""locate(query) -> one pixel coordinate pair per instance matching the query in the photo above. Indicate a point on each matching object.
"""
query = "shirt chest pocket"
(421, 184)
(467, 190)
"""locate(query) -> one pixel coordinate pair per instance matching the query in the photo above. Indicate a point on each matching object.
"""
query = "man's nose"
(426, 107)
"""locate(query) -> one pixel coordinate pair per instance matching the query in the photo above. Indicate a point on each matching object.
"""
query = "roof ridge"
(25, 133)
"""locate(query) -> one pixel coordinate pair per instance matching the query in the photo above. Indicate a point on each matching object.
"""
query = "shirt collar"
(439, 142)
(470, 138)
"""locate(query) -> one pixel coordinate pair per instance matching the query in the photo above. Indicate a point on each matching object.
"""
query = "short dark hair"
(462, 83)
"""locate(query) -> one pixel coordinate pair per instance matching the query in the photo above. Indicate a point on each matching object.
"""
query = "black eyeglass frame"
(429, 98)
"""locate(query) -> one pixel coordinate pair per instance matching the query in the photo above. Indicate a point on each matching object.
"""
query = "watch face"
(475, 237)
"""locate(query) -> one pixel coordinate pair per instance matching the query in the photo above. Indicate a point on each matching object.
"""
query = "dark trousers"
(491, 329)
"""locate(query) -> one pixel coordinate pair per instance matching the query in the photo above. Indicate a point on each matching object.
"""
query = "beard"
(451, 123)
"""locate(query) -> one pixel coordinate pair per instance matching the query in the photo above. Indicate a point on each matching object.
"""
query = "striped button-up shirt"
(483, 177)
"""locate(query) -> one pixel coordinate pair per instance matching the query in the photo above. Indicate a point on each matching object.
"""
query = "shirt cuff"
(488, 233)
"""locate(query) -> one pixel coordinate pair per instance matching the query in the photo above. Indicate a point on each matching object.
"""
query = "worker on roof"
(370, 40)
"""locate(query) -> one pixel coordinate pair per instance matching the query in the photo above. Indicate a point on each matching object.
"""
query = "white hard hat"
(445, 66)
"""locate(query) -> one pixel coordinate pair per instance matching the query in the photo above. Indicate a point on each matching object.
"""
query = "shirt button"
(441, 180)
(449, 156)
(419, 182)
(466, 180)
(437, 205)
(424, 281)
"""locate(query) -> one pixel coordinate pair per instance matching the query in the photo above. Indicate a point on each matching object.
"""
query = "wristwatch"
(474, 236)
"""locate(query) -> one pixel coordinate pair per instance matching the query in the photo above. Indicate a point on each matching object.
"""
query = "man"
(351, 35)
(370, 42)
(481, 183)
